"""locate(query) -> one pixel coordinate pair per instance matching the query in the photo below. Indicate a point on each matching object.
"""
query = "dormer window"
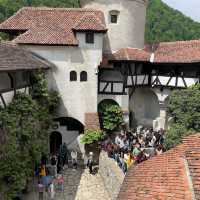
(114, 15)
(89, 38)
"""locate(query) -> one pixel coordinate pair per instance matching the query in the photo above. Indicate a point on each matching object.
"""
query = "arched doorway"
(55, 142)
(71, 130)
(102, 107)
(144, 107)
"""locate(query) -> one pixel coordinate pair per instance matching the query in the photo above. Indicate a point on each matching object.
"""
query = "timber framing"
(143, 74)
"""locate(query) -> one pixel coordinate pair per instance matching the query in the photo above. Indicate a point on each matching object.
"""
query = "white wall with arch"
(77, 98)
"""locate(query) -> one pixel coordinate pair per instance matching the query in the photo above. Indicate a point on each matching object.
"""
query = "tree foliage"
(111, 116)
(167, 24)
(92, 136)
(184, 108)
(26, 121)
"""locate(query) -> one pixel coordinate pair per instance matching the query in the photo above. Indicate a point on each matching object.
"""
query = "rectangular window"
(89, 38)
(113, 18)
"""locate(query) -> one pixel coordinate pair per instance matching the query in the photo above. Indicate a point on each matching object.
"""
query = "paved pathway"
(79, 185)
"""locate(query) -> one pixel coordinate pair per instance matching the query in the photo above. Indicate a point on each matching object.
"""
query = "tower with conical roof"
(125, 21)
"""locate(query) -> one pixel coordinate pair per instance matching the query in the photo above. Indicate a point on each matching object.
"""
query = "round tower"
(125, 20)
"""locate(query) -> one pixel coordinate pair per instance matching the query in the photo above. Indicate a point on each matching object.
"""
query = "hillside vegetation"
(166, 24)
(163, 22)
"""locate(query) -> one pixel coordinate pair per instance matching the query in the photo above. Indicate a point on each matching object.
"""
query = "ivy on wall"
(26, 121)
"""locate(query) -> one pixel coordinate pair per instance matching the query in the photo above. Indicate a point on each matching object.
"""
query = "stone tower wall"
(130, 28)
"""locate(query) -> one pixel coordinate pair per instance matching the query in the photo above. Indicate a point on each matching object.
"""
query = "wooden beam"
(105, 87)
(3, 100)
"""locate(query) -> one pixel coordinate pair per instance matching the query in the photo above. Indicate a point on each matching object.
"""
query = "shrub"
(112, 118)
(92, 136)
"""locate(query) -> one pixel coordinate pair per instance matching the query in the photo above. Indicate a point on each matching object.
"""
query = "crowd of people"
(128, 148)
(49, 170)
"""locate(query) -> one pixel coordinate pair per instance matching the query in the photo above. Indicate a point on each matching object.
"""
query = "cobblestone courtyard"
(79, 185)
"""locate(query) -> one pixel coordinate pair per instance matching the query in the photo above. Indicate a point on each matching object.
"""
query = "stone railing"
(111, 174)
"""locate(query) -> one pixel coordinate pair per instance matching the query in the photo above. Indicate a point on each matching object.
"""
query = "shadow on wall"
(77, 57)
(53, 86)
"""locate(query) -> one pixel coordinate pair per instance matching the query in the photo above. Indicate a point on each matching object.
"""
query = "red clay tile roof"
(174, 175)
(91, 23)
(164, 52)
(132, 54)
(193, 159)
(13, 57)
(53, 26)
(178, 52)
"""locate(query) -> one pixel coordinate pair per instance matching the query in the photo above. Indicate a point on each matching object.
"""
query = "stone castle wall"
(111, 174)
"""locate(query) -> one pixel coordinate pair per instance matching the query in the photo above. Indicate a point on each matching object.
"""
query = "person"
(54, 165)
(43, 171)
(59, 163)
(40, 190)
(64, 153)
(44, 159)
(90, 162)
(159, 150)
(85, 159)
(136, 150)
(51, 190)
(74, 159)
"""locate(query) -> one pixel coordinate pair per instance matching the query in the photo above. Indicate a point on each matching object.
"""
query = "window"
(73, 76)
(113, 18)
(114, 15)
(89, 38)
(83, 76)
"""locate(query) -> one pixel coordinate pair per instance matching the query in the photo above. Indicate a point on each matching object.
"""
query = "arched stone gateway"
(144, 107)
(70, 130)
(55, 142)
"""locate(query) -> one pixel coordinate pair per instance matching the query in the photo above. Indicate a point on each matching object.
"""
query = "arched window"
(73, 76)
(114, 15)
(83, 76)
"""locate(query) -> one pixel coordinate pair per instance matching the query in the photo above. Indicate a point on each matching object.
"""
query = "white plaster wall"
(145, 106)
(129, 31)
(77, 97)
(164, 80)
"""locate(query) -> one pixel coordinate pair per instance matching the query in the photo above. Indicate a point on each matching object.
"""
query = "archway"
(102, 106)
(71, 130)
(71, 124)
(144, 106)
(55, 142)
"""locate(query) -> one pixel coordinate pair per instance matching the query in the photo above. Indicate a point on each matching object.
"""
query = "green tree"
(184, 108)
(26, 121)
(167, 24)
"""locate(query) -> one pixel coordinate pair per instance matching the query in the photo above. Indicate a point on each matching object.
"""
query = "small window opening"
(89, 38)
(114, 15)
(83, 76)
(73, 76)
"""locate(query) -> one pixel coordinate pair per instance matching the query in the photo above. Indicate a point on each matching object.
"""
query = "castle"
(98, 53)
